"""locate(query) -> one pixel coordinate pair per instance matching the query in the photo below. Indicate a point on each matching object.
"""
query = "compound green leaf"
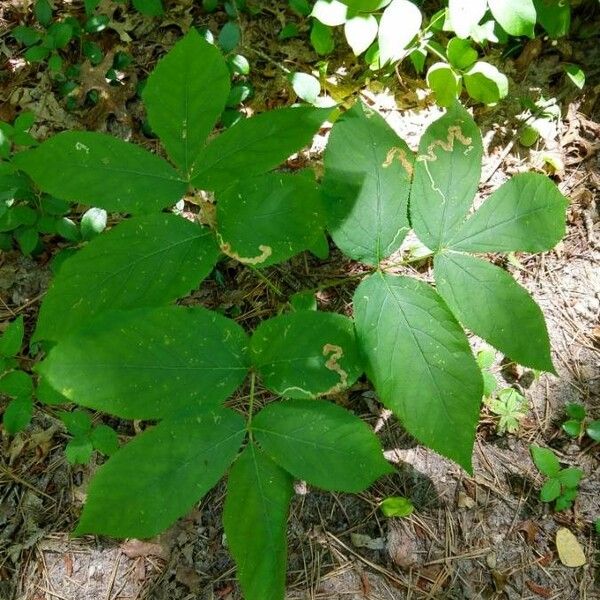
(159, 476)
(255, 519)
(12, 338)
(149, 362)
(517, 17)
(465, 15)
(321, 443)
(97, 169)
(306, 354)
(400, 23)
(145, 261)
(447, 173)
(268, 219)
(525, 214)
(419, 360)
(184, 96)
(256, 145)
(368, 169)
(444, 82)
(489, 302)
(485, 83)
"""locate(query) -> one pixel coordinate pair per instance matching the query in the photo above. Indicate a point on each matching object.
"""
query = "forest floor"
(486, 536)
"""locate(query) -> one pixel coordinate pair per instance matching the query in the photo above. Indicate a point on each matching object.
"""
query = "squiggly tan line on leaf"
(399, 153)
(454, 133)
(266, 251)
(332, 364)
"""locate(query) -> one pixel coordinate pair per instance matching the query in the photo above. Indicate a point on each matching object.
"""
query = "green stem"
(269, 283)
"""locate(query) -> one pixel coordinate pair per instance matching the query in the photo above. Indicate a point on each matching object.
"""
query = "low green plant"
(116, 342)
(397, 506)
(562, 485)
(511, 408)
(579, 424)
(86, 437)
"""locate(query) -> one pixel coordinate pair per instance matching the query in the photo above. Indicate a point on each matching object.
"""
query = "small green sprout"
(578, 423)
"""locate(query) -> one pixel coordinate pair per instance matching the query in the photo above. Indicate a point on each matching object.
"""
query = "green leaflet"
(321, 443)
(256, 145)
(149, 362)
(184, 96)
(489, 302)
(447, 173)
(368, 169)
(305, 354)
(145, 261)
(12, 338)
(517, 17)
(255, 518)
(265, 220)
(525, 214)
(554, 16)
(161, 474)
(420, 362)
(102, 171)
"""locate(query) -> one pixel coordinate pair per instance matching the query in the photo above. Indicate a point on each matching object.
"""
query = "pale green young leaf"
(145, 261)
(265, 220)
(419, 360)
(526, 214)
(465, 15)
(517, 17)
(161, 474)
(400, 23)
(447, 173)
(485, 83)
(545, 460)
(593, 430)
(489, 302)
(97, 169)
(12, 338)
(445, 83)
(361, 32)
(184, 96)
(149, 362)
(368, 169)
(255, 519)
(460, 53)
(306, 354)
(397, 506)
(306, 86)
(321, 443)
(17, 415)
(256, 145)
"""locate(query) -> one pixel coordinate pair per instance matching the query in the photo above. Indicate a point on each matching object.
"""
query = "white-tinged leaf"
(400, 23)
(360, 32)
(465, 14)
(517, 17)
(330, 12)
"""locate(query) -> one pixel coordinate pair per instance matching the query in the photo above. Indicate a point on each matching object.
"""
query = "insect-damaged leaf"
(527, 214)
(255, 519)
(184, 96)
(489, 302)
(306, 353)
(368, 169)
(321, 443)
(145, 261)
(447, 172)
(161, 474)
(420, 362)
(149, 362)
(103, 171)
(256, 145)
(265, 220)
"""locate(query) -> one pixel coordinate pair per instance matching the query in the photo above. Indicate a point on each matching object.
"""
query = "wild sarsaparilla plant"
(119, 344)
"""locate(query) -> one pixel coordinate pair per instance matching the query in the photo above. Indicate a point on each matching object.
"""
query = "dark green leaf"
(12, 338)
(306, 354)
(525, 214)
(256, 145)
(16, 383)
(550, 490)
(575, 411)
(593, 430)
(145, 261)
(26, 35)
(179, 460)
(321, 443)
(321, 38)
(570, 477)
(105, 440)
(79, 451)
(447, 173)
(150, 362)
(420, 362)
(545, 460)
(229, 36)
(366, 186)
(98, 169)
(150, 8)
(255, 519)
(489, 302)
(572, 428)
(184, 96)
(554, 16)
(17, 414)
(78, 422)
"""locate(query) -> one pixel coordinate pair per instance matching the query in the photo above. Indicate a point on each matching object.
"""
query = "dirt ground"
(486, 536)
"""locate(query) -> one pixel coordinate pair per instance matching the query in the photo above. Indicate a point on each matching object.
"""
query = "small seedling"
(511, 408)
(87, 438)
(397, 506)
(562, 485)
(578, 423)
